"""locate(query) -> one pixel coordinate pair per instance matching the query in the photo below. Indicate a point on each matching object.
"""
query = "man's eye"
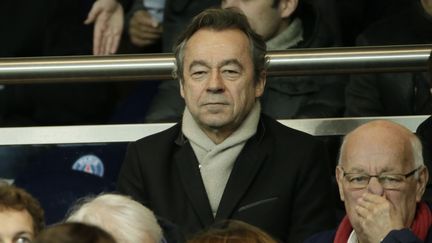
(198, 74)
(22, 239)
(390, 179)
(358, 179)
(230, 73)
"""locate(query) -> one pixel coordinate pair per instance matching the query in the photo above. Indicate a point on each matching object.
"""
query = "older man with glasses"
(381, 179)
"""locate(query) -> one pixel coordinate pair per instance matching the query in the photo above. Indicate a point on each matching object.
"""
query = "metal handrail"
(132, 132)
(159, 66)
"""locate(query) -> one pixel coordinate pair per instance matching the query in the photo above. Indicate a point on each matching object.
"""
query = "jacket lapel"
(244, 171)
(193, 185)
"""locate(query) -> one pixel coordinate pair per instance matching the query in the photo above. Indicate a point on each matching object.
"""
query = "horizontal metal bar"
(126, 133)
(350, 60)
(160, 66)
(85, 68)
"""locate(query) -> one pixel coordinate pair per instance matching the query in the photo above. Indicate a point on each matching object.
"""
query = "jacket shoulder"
(279, 130)
(159, 141)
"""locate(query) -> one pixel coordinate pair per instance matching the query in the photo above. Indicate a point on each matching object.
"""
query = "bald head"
(381, 150)
(382, 139)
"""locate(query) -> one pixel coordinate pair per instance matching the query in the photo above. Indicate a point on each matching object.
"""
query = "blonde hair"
(127, 220)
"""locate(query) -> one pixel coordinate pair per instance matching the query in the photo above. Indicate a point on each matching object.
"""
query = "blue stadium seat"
(62, 174)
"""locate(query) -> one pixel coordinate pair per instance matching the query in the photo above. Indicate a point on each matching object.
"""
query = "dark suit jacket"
(280, 182)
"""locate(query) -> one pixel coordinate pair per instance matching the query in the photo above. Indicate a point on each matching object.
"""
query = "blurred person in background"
(232, 231)
(127, 220)
(399, 93)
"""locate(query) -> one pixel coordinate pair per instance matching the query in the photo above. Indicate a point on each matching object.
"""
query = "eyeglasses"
(387, 181)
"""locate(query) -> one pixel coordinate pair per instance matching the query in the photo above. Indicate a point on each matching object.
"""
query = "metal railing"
(132, 132)
(160, 66)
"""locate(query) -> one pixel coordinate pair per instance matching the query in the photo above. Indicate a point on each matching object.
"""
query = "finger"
(97, 39)
(144, 18)
(145, 26)
(373, 198)
(144, 35)
(362, 212)
(94, 12)
(99, 32)
(103, 45)
(107, 47)
(115, 44)
(144, 32)
(141, 43)
(365, 204)
(148, 22)
(151, 30)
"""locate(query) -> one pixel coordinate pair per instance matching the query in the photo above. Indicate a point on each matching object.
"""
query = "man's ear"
(287, 7)
(260, 85)
(181, 87)
(339, 178)
(421, 182)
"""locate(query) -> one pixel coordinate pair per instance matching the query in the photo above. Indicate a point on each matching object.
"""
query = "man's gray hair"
(417, 149)
(127, 220)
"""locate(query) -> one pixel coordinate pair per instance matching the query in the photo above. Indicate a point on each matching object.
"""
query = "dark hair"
(12, 197)
(74, 233)
(275, 3)
(231, 231)
(222, 19)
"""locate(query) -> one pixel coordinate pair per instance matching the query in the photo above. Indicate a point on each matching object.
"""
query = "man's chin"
(214, 123)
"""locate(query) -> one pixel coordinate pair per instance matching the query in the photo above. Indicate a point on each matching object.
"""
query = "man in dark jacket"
(394, 94)
(225, 160)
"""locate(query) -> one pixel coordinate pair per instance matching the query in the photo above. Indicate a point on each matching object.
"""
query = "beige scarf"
(216, 160)
(290, 37)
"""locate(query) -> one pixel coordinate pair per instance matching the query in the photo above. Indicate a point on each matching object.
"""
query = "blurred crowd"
(109, 27)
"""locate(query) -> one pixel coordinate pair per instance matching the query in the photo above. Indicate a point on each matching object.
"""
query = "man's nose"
(215, 83)
(375, 187)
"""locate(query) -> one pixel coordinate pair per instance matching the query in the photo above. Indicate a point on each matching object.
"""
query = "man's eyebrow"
(231, 61)
(24, 232)
(363, 171)
(198, 63)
